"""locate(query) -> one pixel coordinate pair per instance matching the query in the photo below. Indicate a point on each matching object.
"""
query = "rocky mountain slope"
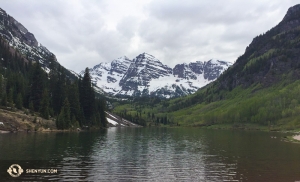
(261, 87)
(259, 91)
(270, 57)
(144, 75)
(147, 76)
(26, 44)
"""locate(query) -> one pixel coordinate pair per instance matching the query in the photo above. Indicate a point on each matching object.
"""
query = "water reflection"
(159, 154)
(156, 153)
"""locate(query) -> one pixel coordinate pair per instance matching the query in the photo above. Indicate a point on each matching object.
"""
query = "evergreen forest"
(26, 86)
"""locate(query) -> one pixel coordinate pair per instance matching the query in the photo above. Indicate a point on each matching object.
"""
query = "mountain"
(19, 38)
(147, 76)
(25, 86)
(261, 90)
(271, 60)
(269, 56)
(144, 75)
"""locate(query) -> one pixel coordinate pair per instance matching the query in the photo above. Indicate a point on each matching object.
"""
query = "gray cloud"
(84, 33)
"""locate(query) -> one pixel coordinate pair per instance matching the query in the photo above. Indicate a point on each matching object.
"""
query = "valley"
(259, 90)
(138, 118)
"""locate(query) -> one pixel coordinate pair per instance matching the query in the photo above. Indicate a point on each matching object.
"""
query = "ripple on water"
(160, 154)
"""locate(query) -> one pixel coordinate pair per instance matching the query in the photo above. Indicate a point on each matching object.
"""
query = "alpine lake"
(150, 154)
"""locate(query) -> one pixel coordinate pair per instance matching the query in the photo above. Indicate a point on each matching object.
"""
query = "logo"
(15, 170)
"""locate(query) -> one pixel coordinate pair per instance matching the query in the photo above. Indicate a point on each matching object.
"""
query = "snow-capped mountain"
(20, 38)
(145, 75)
(25, 42)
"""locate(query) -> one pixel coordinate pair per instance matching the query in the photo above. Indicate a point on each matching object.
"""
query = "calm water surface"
(152, 154)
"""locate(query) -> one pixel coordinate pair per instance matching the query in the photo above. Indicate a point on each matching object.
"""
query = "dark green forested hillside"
(26, 86)
(261, 88)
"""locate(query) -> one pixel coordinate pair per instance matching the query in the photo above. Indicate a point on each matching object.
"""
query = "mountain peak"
(147, 76)
(269, 56)
(21, 39)
(147, 55)
(292, 11)
(144, 55)
(213, 61)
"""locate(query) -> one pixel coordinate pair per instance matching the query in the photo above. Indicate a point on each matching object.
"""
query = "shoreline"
(296, 137)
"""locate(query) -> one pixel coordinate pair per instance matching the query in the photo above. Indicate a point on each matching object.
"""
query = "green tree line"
(25, 84)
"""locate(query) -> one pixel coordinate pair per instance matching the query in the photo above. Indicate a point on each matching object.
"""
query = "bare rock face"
(25, 42)
(291, 19)
(147, 76)
(210, 69)
(269, 57)
(186, 71)
(292, 12)
(20, 38)
(145, 67)
(12, 29)
(213, 69)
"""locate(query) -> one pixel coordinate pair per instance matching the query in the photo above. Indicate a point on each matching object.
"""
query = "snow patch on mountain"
(147, 76)
(21, 39)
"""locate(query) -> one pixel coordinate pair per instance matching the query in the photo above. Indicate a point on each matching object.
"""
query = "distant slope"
(271, 58)
(261, 88)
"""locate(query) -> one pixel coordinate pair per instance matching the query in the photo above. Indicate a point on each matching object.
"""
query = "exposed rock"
(271, 57)
(25, 43)
(147, 76)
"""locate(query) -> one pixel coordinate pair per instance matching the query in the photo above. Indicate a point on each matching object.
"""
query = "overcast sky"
(83, 33)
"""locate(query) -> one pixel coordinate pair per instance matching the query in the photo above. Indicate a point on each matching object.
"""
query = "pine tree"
(98, 120)
(1, 85)
(19, 101)
(4, 100)
(10, 97)
(37, 86)
(60, 120)
(44, 105)
(64, 119)
(74, 122)
(87, 96)
(73, 97)
(102, 113)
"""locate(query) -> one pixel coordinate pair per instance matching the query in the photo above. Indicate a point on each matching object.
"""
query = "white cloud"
(84, 33)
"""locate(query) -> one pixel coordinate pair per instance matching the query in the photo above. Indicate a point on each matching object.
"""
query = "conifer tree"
(60, 120)
(26, 84)
(1, 85)
(102, 113)
(44, 110)
(87, 96)
(64, 119)
(19, 101)
(4, 100)
(10, 97)
(74, 122)
(37, 86)
(54, 87)
(73, 97)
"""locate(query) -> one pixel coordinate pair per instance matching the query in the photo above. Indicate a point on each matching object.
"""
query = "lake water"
(152, 154)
